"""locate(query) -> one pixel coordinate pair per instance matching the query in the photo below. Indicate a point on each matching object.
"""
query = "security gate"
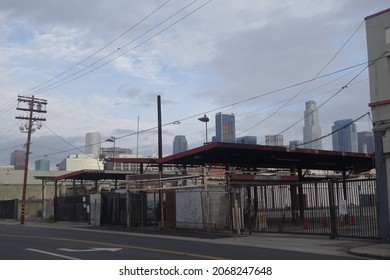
(331, 208)
(117, 208)
(113, 209)
(9, 209)
(71, 208)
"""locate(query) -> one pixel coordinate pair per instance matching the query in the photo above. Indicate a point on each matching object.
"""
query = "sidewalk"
(364, 248)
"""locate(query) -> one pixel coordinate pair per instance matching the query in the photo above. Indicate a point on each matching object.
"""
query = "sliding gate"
(329, 208)
(9, 209)
(72, 208)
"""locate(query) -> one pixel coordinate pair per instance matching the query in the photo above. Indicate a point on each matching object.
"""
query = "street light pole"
(205, 119)
(112, 139)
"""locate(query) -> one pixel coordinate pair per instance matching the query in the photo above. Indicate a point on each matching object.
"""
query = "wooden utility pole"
(32, 106)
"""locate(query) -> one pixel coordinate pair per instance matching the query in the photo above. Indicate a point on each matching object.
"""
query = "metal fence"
(35, 209)
(71, 208)
(113, 209)
(9, 209)
(327, 208)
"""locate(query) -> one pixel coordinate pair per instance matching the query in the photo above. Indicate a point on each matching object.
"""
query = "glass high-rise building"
(312, 129)
(344, 137)
(42, 164)
(180, 144)
(225, 128)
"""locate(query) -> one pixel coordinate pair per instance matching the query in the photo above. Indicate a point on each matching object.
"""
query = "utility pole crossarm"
(28, 118)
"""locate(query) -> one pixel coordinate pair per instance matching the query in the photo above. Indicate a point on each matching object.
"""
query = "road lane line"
(164, 251)
(52, 254)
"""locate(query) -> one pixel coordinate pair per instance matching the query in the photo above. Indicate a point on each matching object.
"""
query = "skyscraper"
(42, 164)
(366, 142)
(180, 144)
(344, 137)
(225, 128)
(274, 140)
(312, 129)
(92, 144)
(18, 159)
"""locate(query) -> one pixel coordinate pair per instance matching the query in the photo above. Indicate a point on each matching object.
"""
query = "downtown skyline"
(94, 140)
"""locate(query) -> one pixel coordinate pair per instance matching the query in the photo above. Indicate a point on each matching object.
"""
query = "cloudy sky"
(101, 64)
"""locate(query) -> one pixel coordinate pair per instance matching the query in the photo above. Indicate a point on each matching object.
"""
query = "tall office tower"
(18, 159)
(92, 144)
(42, 164)
(247, 140)
(180, 144)
(366, 142)
(225, 128)
(344, 137)
(312, 129)
(274, 140)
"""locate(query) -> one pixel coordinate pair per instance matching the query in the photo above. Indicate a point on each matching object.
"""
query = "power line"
(307, 84)
(8, 131)
(326, 101)
(10, 104)
(67, 142)
(252, 98)
(222, 107)
(296, 101)
(34, 89)
(67, 79)
(271, 92)
(337, 130)
(79, 74)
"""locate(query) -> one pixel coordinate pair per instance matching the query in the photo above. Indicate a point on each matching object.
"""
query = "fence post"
(332, 212)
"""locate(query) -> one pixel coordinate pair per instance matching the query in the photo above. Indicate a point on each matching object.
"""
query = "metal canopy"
(245, 156)
(93, 175)
(258, 156)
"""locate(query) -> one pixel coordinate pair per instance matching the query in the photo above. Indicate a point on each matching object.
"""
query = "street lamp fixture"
(112, 139)
(205, 119)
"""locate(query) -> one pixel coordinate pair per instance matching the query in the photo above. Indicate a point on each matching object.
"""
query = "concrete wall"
(189, 208)
(11, 184)
(32, 192)
(200, 209)
(219, 207)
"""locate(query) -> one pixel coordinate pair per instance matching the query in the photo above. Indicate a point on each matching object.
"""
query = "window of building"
(387, 35)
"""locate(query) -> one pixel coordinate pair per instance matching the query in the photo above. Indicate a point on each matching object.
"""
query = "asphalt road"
(21, 242)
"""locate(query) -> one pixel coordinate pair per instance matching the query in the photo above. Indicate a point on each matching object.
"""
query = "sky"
(101, 64)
